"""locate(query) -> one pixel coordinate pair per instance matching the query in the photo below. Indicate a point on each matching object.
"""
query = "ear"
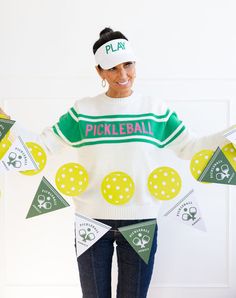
(134, 69)
(99, 71)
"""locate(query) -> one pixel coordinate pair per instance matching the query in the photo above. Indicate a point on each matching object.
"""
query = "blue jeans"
(134, 275)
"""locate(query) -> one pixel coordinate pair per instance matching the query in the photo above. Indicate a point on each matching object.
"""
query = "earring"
(103, 83)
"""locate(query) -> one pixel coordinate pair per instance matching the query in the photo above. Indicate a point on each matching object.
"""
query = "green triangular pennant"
(218, 170)
(46, 199)
(140, 237)
(5, 126)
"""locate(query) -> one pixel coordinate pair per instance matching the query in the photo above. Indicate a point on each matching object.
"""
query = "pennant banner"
(187, 211)
(88, 232)
(46, 199)
(231, 135)
(5, 126)
(18, 158)
(218, 170)
(140, 237)
(39, 156)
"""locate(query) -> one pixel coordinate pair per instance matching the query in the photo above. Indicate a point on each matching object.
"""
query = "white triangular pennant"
(88, 232)
(231, 135)
(187, 211)
(18, 158)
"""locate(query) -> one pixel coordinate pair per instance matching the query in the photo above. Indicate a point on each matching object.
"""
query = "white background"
(186, 55)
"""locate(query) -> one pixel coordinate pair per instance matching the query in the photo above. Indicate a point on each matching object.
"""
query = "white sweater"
(122, 135)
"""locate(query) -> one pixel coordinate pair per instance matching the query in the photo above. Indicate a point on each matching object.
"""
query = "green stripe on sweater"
(87, 131)
(123, 140)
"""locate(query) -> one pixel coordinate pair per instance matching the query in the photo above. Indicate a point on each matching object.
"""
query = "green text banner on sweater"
(81, 130)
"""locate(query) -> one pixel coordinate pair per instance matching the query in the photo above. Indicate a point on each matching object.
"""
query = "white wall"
(187, 55)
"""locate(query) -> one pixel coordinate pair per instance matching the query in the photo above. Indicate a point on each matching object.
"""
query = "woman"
(121, 132)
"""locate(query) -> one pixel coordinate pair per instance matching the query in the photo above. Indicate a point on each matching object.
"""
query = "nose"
(122, 73)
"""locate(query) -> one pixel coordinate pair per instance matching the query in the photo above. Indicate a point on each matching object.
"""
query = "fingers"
(3, 114)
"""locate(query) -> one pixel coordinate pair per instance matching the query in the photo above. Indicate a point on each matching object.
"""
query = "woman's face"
(120, 79)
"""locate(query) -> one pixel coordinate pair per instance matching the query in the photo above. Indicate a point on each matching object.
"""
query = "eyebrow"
(125, 63)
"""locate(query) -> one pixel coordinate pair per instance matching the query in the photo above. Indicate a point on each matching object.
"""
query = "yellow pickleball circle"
(164, 183)
(71, 179)
(117, 188)
(5, 144)
(39, 156)
(4, 116)
(230, 153)
(199, 162)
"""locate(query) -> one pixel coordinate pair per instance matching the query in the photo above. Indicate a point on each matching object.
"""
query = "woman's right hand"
(3, 114)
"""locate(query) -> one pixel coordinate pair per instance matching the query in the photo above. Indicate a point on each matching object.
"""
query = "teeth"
(123, 83)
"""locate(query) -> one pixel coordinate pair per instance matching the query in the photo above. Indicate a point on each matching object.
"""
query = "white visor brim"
(114, 52)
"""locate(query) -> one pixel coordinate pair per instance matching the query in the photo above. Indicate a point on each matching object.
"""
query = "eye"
(112, 69)
(128, 64)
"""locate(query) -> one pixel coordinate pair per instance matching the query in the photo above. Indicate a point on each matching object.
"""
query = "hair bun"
(106, 35)
(105, 31)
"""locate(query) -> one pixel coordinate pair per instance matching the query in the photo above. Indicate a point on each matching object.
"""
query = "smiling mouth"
(123, 83)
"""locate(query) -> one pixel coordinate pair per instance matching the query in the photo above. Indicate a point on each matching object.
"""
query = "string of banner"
(117, 188)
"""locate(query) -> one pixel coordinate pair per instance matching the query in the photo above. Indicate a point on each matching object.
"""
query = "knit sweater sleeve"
(187, 144)
(68, 126)
(62, 134)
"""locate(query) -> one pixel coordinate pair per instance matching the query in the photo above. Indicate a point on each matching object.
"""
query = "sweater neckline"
(118, 100)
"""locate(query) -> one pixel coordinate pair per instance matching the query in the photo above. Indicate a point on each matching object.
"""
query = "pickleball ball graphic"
(164, 183)
(5, 144)
(199, 162)
(117, 188)
(230, 153)
(39, 156)
(72, 179)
